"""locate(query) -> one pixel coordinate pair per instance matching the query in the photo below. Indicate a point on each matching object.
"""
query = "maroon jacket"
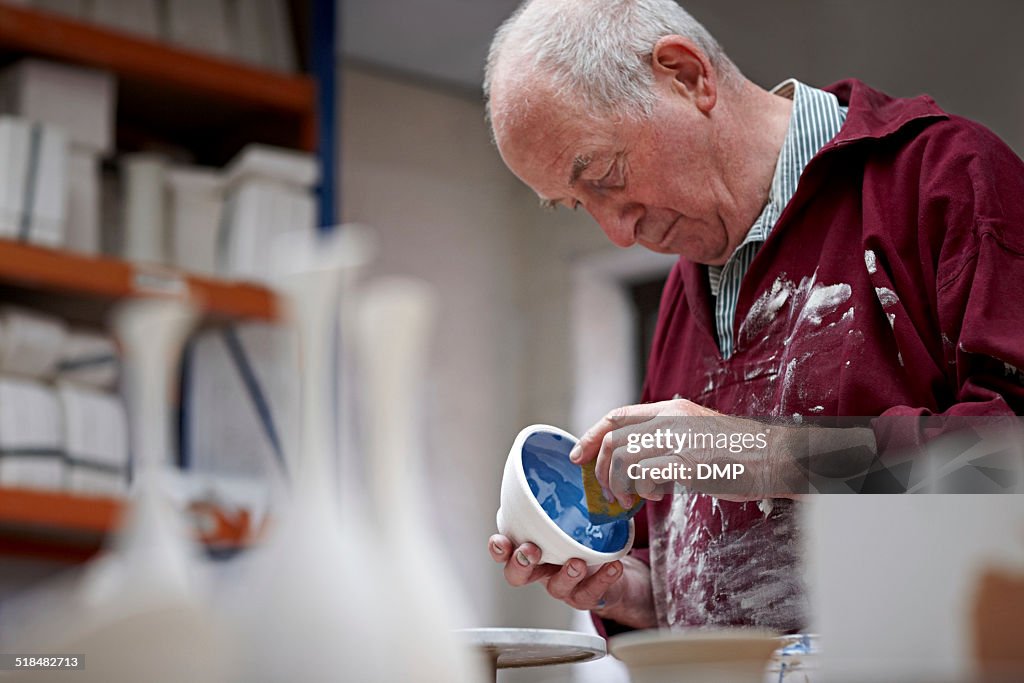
(891, 285)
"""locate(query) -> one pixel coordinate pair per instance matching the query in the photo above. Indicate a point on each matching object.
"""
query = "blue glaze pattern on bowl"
(557, 484)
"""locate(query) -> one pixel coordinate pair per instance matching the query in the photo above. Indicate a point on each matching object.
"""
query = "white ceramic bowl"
(559, 484)
(723, 656)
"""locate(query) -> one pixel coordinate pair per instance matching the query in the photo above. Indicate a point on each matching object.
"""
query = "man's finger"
(616, 479)
(520, 566)
(587, 448)
(524, 567)
(590, 593)
(561, 585)
(499, 547)
(651, 486)
(603, 466)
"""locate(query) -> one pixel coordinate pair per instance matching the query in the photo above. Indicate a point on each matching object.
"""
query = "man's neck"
(758, 124)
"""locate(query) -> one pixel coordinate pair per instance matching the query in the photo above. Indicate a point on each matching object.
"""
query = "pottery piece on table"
(725, 656)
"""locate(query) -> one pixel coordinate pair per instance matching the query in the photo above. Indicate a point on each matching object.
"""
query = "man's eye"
(612, 179)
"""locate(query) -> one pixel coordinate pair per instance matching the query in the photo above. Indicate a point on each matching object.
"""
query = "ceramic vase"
(313, 604)
(139, 612)
(394, 326)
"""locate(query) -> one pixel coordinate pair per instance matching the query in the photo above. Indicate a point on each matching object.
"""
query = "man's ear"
(679, 59)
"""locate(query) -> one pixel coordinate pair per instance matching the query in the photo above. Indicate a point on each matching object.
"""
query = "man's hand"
(778, 461)
(620, 591)
(765, 473)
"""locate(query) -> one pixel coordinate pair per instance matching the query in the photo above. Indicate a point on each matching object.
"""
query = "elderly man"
(842, 253)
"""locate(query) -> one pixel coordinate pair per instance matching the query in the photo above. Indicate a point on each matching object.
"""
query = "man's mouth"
(667, 237)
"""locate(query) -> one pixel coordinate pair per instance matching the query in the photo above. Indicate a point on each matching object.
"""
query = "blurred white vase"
(312, 604)
(394, 323)
(139, 612)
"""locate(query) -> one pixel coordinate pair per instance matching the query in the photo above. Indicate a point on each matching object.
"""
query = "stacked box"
(269, 193)
(30, 343)
(33, 180)
(143, 181)
(195, 202)
(89, 359)
(31, 454)
(95, 441)
(76, 99)
(83, 229)
(80, 102)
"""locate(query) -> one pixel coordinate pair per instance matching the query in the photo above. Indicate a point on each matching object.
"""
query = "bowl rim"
(517, 449)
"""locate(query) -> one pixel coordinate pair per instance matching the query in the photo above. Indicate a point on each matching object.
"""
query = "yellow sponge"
(600, 510)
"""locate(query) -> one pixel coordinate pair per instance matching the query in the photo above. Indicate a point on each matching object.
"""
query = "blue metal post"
(322, 62)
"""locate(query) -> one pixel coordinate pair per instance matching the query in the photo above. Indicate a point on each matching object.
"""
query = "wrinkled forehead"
(542, 153)
(521, 103)
(539, 131)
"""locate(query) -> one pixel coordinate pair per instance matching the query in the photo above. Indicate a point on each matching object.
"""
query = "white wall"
(967, 55)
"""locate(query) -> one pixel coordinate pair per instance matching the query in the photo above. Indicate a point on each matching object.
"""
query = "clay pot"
(727, 656)
(542, 502)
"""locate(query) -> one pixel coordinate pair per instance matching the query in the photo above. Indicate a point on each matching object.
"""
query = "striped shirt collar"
(816, 118)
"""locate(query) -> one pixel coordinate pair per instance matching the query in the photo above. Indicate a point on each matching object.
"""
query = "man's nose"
(619, 221)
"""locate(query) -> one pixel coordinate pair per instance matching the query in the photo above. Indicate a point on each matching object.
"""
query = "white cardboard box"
(90, 359)
(269, 192)
(299, 170)
(30, 342)
(30, 435)
(257, 211)
(143, 177)
(33, 181)
(78, 99)
(83, 212)
(195, 204)
(95, 440)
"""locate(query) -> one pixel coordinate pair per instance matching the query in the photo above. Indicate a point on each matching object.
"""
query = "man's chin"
(688, 251)
(660, 249)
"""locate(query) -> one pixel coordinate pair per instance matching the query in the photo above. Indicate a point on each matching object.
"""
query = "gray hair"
(595, 51)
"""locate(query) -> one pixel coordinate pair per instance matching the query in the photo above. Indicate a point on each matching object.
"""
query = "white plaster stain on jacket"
(870, 261)
(723, 577)
(886, 296)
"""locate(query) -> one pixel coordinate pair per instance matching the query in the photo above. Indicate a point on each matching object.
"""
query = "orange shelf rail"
(57, 511)
(158, 64)
(67, 527)
(53, 270)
